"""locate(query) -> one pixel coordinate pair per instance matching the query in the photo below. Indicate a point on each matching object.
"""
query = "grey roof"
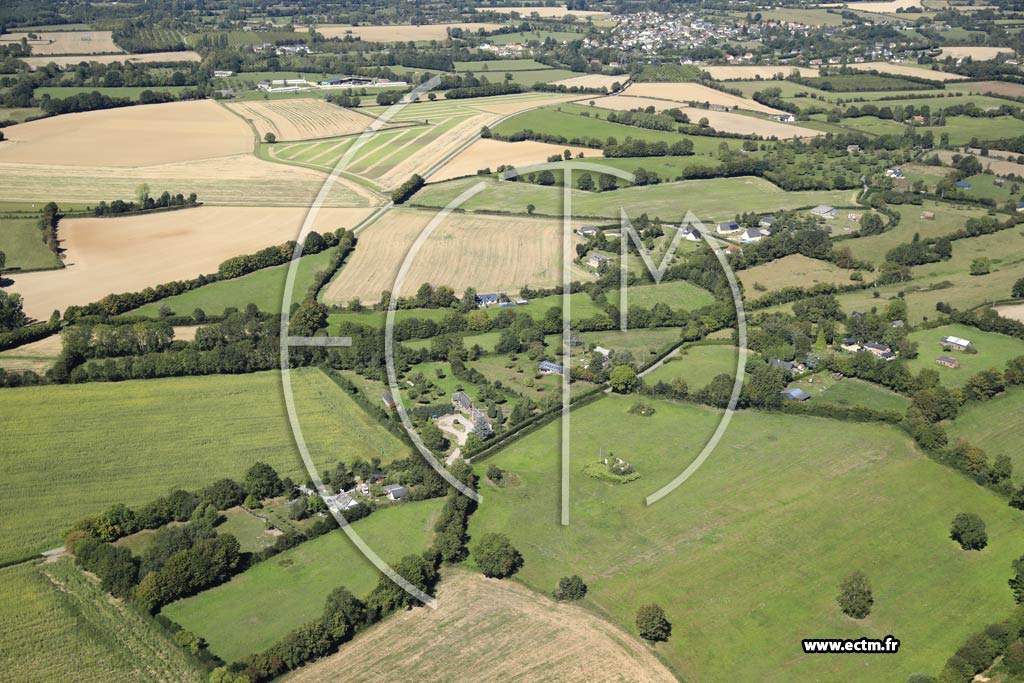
(784, 364)
(877, 347)
(822, 209)
(947, 359)
(796, 394)
(394, 490)
(551, 367)
(463, 399)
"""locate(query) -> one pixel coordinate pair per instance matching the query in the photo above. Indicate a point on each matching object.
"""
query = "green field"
(711, 200)
(851, 392)
(258, 607)
(59, 625)
(131, 442)
(499, 66)
(571, 125)
(132, 93)
(539, 36)
(265, 288)
(697, 366)
(994, 426)
(642, 343)
(994, 350)
(22, 242)
(746, 557)
(963, 129)
(677, 294)
(247, 528)
(948, 219)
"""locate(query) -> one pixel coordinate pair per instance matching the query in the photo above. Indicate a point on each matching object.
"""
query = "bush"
(652, 624)
(968, 530)
(570, 588)
(855, 597)
(496, 557)
(407, 189)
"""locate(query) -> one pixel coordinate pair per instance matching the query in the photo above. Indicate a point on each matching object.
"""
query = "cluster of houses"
(346, 500)
(347, 82)
(951, 343)
(746, 235)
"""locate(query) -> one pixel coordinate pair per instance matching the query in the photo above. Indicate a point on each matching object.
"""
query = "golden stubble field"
(65, 42)
(142, 135)
(546, 12)
(301, 119)
(694, 92)
(490, 253)
(114, 255)
(489, 153)
(149, 57)
(400, 32)
(748, 72)
(907, 70)
(729, 122)
(541, 641)
(592, 81)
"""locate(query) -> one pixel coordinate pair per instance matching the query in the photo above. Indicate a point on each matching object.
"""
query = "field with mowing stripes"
(301, 119)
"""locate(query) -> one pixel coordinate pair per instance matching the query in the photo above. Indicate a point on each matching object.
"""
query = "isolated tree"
(546, 177)
(269, 138)
(570, 588)
(652, 624)
(968, 530)
(262, 481)
(855, 597)
(981, 266)
(622, 379)
(496, 557)
(530, 208)
(606, 183)
(585, 182)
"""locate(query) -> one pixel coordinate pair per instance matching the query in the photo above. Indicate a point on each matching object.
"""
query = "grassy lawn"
(642, 343)
(993, 352)
(59, 625)
(993, 426)
(948, 219)
(746, 557)
(497, 67)
(22, 242)
(697, 365)
(265, 288)
(131, 442)
(962, 129)
(795, 270)
(129, 92)
(851, 392)
(711, 200)
(249, 529)
(678, 294)
(258, 607)
(571, 125)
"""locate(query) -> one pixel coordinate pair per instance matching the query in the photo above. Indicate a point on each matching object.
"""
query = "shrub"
(496, 557)
(570, 588)
(968, 530)
(855, 597)
(652, 624)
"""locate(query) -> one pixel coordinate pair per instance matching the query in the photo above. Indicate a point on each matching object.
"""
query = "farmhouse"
(727, 227)
(750, 235)
(587, 231)
(549, 368)
(850, 345)
(789, 367)
(486, 300)
(341, 502)
(825, 211)
(963, 185)
(766, 221)
(394, 491)
(880, 350)
(691, 234)
(852, 148)
(462, 402)
(948, 361)
(223, 73)
(783, 118)
(596, 260)
(955, 343)
(894, 172)
(795, 394)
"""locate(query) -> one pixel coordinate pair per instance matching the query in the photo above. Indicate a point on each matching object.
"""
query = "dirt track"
(541, 641)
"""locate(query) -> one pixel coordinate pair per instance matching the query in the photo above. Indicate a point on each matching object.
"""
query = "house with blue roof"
(795, 394)
(549, 368)
(963, 185)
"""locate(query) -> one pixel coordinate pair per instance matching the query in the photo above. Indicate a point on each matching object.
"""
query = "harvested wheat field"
(557, 12)
(238, 180)
(513, 104)
(977, 53)
(149, 57)
(1012, 312)
(592, 81)
(400, 32)
(719, 120)
(992, 88)
(142, 135)
(66, 42)
(882, 7)
(486, 252)
(113, 255)
(694, 92)
(541, 640)
(906, 70)
(441, 147)
(493, 153)
(36, 356)
(301, 119)
(734, 73)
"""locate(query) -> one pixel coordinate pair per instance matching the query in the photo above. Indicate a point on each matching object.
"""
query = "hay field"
(149, 57)
(719, 120)
(36, 356)
(996, 165)
(301, 119)
(591, 81)
(907, 70)
(490, 253)
(976, 52)
(694, 92)
(239, 180)
(991, 87)
(129, 136)
(795, 270)
(741, 72)
(489, 153)
(400, 32)
(541, 640)
(556, 12)
(1011, 312)
(880, 7)
(112, 255)
(66, 42)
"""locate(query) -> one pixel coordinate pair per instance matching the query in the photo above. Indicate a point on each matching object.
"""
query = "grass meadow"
(746, 556)
(58, 624)
(22, 242)
(72, 451)
(696, 365)
(994, 350)
(256, 608)
(994, 426)
(851, 392)
(711, 200)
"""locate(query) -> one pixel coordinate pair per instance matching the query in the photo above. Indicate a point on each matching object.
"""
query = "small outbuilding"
(948, 361)
(795, 394)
